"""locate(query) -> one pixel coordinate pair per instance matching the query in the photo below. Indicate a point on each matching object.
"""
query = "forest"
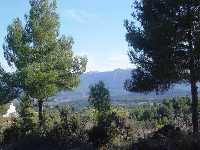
(164, 46)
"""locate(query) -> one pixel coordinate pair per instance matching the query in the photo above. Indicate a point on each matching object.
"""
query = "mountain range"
(114, 81)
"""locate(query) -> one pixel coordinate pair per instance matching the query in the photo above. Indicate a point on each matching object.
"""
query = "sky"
(95, 25)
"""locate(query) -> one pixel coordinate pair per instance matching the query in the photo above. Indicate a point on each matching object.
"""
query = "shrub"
(168, 138)
(27, 120)
(70, 132)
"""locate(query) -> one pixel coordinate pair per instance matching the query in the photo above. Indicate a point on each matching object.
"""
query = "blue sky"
(96, 26)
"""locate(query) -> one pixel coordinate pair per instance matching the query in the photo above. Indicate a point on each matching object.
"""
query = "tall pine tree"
(43, 59)
(165, 40)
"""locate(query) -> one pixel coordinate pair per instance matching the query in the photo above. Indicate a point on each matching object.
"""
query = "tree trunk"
(40, 105)
(194, 91)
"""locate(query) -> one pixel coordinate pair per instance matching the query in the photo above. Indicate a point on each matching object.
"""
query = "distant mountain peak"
(115, 70)
(91, 72)
(120, 69)
(114, 81)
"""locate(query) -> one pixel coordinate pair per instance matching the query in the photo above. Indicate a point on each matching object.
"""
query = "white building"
(11, 111)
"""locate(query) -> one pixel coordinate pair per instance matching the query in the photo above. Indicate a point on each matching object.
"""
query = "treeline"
(100, 126)
(63, 128)
(175, 111)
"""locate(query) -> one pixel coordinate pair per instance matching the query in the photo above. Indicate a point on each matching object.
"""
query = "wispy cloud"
(76, 16)
(82, 16)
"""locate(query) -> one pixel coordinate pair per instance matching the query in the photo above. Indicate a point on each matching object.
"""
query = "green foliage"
(51, 119)
(99, 97)
(116, 128)
(162, 47)
(3, 109)
(175, 111)
(111, 122)
(69, 132)
(43, 59)
(70, 121)
(5, 123)
(26, 124)
(170, 138)
(27, 121)
(12, 133)
(164, 36)
(7, 88)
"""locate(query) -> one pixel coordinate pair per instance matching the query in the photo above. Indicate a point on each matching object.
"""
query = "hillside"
(114, 81)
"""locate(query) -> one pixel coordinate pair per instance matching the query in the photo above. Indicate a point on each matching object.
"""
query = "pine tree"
(44, 60)
(99, 97)
(165, 40)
